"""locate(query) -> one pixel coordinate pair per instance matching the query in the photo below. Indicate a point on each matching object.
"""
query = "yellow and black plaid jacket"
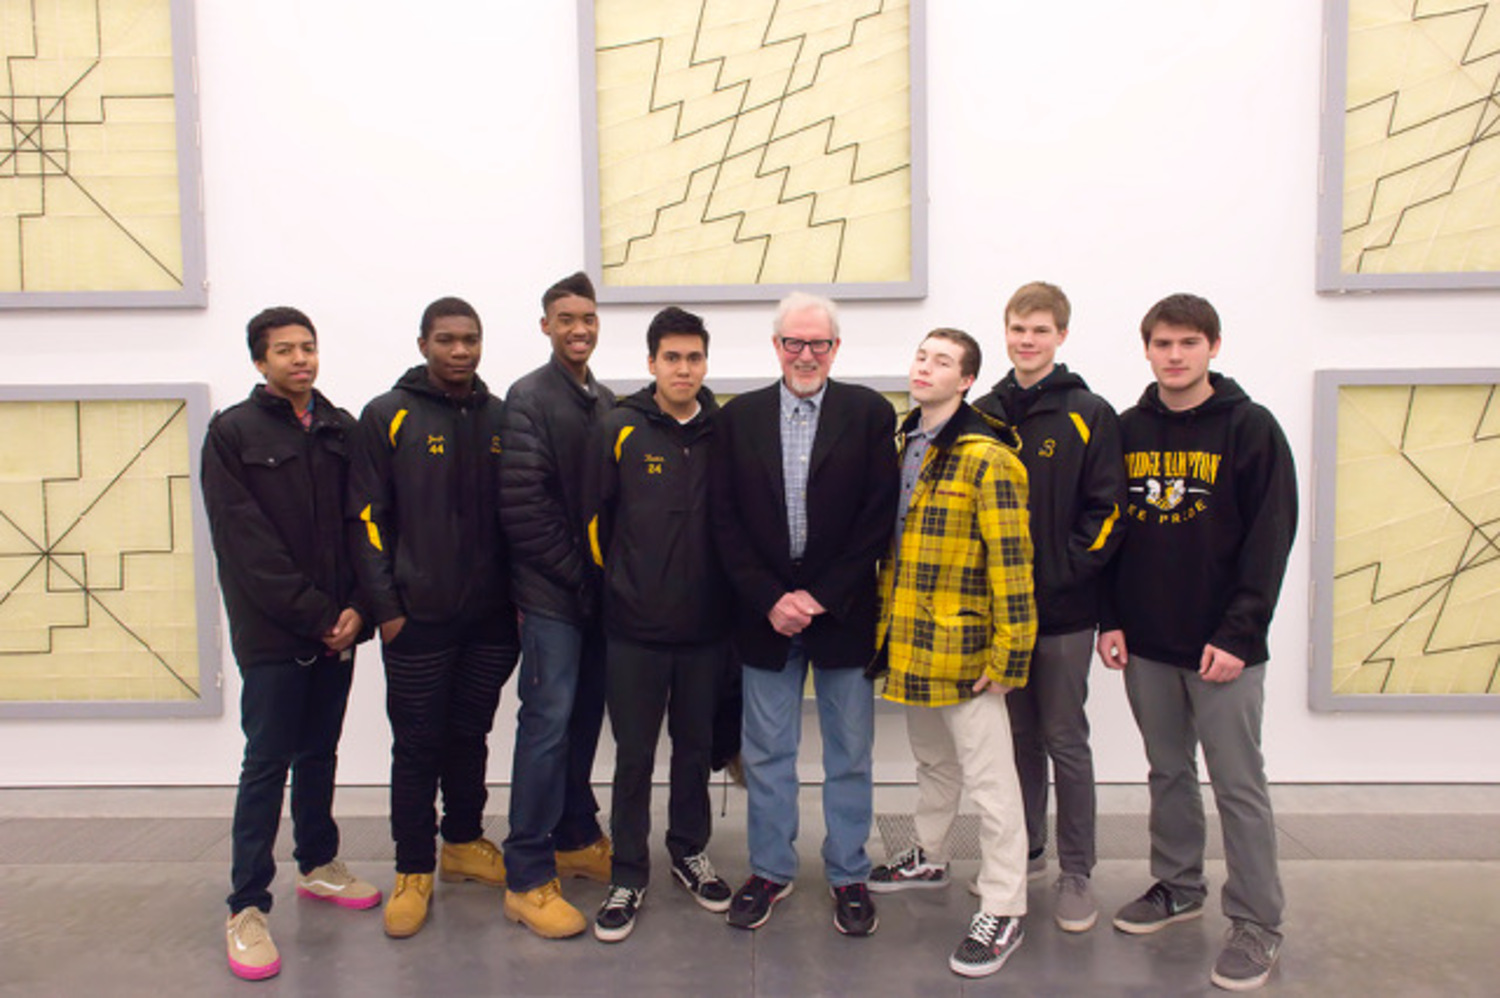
(956, 590)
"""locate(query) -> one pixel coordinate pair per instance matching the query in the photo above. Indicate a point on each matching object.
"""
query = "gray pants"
(1176, 710)
(1047, 719)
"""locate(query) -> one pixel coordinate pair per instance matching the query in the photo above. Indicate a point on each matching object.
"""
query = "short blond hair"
(1039, 296)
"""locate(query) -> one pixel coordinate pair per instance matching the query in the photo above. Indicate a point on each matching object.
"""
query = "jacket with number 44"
(423, 487)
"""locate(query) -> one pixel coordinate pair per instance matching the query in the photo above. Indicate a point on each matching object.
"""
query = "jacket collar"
(966, 421)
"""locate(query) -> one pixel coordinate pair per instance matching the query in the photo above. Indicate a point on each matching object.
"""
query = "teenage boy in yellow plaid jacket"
(956, 630)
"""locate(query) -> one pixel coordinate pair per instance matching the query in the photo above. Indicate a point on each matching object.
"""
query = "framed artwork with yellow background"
(737, 151)
(107, 599)
(100, 196)
(1409, 185)
(1406, 547)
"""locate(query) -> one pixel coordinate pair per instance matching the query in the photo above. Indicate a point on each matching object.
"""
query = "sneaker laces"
(335, 872)
(910, 858)
(620, 898)
(985, 927)
(1246, 938)
(1160, 895)
(699, 866)
(250, 928)
(1072, 883)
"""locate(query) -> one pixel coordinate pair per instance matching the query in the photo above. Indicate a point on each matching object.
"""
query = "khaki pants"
(966, 748)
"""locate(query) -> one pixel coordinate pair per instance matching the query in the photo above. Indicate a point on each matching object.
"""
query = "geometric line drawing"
(98, 155)
(101, 554)
(734, 151)
(1411, 190)
(1407, 554)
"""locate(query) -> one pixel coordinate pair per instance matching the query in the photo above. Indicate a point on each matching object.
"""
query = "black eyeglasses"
(795, 346)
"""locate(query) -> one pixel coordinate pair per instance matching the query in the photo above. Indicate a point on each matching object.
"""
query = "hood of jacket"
(644, 401)
(1019, 402)
(415, 380)
(1227, 394)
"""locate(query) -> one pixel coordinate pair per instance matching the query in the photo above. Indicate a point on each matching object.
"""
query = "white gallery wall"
(360, 160)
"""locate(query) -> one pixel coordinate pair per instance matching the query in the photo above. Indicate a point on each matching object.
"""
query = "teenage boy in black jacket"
(666, 613)
(275, 468)
(1212, 513)
(430, 556)
(1070, 444)
(549, 417)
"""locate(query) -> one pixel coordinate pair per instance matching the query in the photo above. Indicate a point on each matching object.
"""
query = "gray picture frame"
(193, 291)
(913, 288)
(1330, 274)
(1321, 695)
(209, 699)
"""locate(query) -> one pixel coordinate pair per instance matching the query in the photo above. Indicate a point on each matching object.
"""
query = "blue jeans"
(773, 733)
(292, 715)
(552, 804)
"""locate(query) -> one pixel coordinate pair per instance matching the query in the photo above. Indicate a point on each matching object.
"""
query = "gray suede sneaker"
(1076, 910)
(1155, 910)
(1249, 953)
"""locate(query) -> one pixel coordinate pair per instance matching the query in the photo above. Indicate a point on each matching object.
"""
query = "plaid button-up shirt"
(799, 426)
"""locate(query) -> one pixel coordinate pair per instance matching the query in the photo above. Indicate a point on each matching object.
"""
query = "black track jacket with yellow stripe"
(423, 485)
(648, 524)
(1070, 444)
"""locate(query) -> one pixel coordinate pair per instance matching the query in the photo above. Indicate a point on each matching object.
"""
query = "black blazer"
(852, 488)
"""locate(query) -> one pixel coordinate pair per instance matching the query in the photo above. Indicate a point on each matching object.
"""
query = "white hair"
(801, 301)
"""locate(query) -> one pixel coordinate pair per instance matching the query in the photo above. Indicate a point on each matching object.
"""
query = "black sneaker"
(616, 916)
(854, 910)
(697, 874)
(990, 942)
(751, 906)
(1155, 910)
(909, 869)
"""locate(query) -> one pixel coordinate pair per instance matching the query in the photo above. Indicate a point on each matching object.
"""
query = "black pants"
(443, 684)
(728, 715)
(643, 682)
(292, 715)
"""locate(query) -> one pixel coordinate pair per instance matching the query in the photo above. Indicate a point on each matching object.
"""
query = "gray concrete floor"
(1391, 891)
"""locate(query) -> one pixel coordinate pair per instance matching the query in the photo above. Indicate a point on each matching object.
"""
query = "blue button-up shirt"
(799, 426)
(917, 442)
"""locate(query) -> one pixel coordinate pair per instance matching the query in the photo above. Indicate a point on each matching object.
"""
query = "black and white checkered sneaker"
(990, 942)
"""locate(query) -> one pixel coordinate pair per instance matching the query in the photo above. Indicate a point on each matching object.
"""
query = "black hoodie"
(423, 487)
(1212, 512)
(1070, 444)
(648, 524)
